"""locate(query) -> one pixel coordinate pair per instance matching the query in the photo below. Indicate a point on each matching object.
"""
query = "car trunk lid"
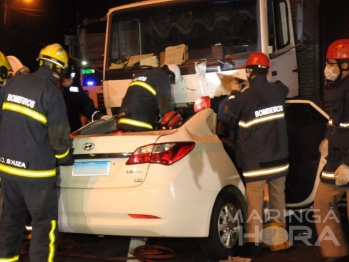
(100, 161)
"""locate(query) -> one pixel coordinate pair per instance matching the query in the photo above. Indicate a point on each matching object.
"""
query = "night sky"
(33, 24)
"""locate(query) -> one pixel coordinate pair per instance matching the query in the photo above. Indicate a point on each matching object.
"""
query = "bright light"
(28, 1)
(84, 63)
(90, 83)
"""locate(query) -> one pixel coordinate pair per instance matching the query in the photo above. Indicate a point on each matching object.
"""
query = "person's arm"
(164, 97)
(58, 127)
(234, 104)
(165, 104)
(86, 106)
(1, 101)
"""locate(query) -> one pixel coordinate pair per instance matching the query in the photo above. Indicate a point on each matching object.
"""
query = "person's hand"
(105, 117)
(68, 160)
(342, 175)
(323, 147)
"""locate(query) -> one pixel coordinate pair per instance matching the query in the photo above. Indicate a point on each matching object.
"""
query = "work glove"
(342, 175)
(323, 147)
(68, 160)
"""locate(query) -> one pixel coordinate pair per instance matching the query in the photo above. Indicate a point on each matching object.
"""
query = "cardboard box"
(217, 51)
(186, 55)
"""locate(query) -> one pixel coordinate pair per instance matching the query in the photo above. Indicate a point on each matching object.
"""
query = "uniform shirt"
(262, 144)
(337, 132)
(148, 95)
(79, 103)
(34, 129)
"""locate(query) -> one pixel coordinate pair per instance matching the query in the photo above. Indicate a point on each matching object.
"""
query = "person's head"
(337, 60)
(17, 66)
(69, 75)
(173, 72)
(257, 64)
(5, 68)
(55, 58)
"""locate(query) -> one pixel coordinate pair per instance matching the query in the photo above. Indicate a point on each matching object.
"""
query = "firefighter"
(34, 138)
(17, 67)
(147, 97)
(262, 150)
(335, 175)
(77, 101)
(5, 68)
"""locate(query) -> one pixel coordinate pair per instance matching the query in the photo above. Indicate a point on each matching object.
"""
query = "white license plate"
(91, 168)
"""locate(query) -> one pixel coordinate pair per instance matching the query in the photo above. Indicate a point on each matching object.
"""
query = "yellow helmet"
(55, 54)
(5, 67)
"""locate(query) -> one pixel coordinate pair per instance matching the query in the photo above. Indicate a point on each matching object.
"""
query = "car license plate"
(91, 168)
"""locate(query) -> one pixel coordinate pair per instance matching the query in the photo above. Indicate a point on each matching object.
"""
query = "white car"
(176, 183)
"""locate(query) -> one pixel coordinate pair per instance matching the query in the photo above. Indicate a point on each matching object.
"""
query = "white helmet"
(17, 66)
(174, 69)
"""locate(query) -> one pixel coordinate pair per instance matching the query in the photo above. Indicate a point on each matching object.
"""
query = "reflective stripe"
(52, 238)
(344, 125)
(26, 172)
(231, 97)
(11, 259)
(265, 172)
(145, 85)
(327, 175)
(260, 120)
(132, 122)
(25, 111)
(62, 155)
(92, 117)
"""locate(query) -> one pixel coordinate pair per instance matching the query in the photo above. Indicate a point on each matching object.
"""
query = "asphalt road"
(91, 248)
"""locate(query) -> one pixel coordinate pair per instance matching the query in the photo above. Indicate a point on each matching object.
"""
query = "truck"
(183, 182)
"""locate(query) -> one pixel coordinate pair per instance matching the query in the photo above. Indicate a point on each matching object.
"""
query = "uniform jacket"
(262, 144)
(34, 129)
(338, 128)
(79, 103)
(148, 95)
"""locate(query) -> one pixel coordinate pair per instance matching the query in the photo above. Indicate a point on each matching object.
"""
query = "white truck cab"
(218, 34)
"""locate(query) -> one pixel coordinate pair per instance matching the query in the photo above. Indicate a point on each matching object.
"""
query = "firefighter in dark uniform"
(5, 68)
(335, 175)
(34, 138)
(262, 150)
(148, 95)
(77, 101)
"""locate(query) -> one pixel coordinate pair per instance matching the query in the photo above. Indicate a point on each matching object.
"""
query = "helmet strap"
(340, 70)
(58, 74)
(249, 73)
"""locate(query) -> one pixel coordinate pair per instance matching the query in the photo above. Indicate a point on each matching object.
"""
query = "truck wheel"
(226, 227)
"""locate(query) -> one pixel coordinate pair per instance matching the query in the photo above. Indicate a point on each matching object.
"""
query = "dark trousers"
(40, 199)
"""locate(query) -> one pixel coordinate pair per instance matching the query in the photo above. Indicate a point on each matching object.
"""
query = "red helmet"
(258, 59)
(339, 49)
(171, 120)
(202, 103)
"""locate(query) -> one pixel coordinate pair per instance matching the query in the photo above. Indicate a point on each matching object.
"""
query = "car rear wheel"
(226, 227)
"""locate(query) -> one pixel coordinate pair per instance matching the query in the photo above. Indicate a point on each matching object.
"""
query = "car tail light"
(165, 154)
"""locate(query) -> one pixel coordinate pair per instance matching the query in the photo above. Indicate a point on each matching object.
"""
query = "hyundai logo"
(88, 146)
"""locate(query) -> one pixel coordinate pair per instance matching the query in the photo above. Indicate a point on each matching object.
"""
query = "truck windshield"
(206, 29)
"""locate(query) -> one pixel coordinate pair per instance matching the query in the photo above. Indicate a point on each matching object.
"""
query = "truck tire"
(226, 227)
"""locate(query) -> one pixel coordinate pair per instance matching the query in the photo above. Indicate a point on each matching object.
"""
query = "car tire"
(226, 227)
